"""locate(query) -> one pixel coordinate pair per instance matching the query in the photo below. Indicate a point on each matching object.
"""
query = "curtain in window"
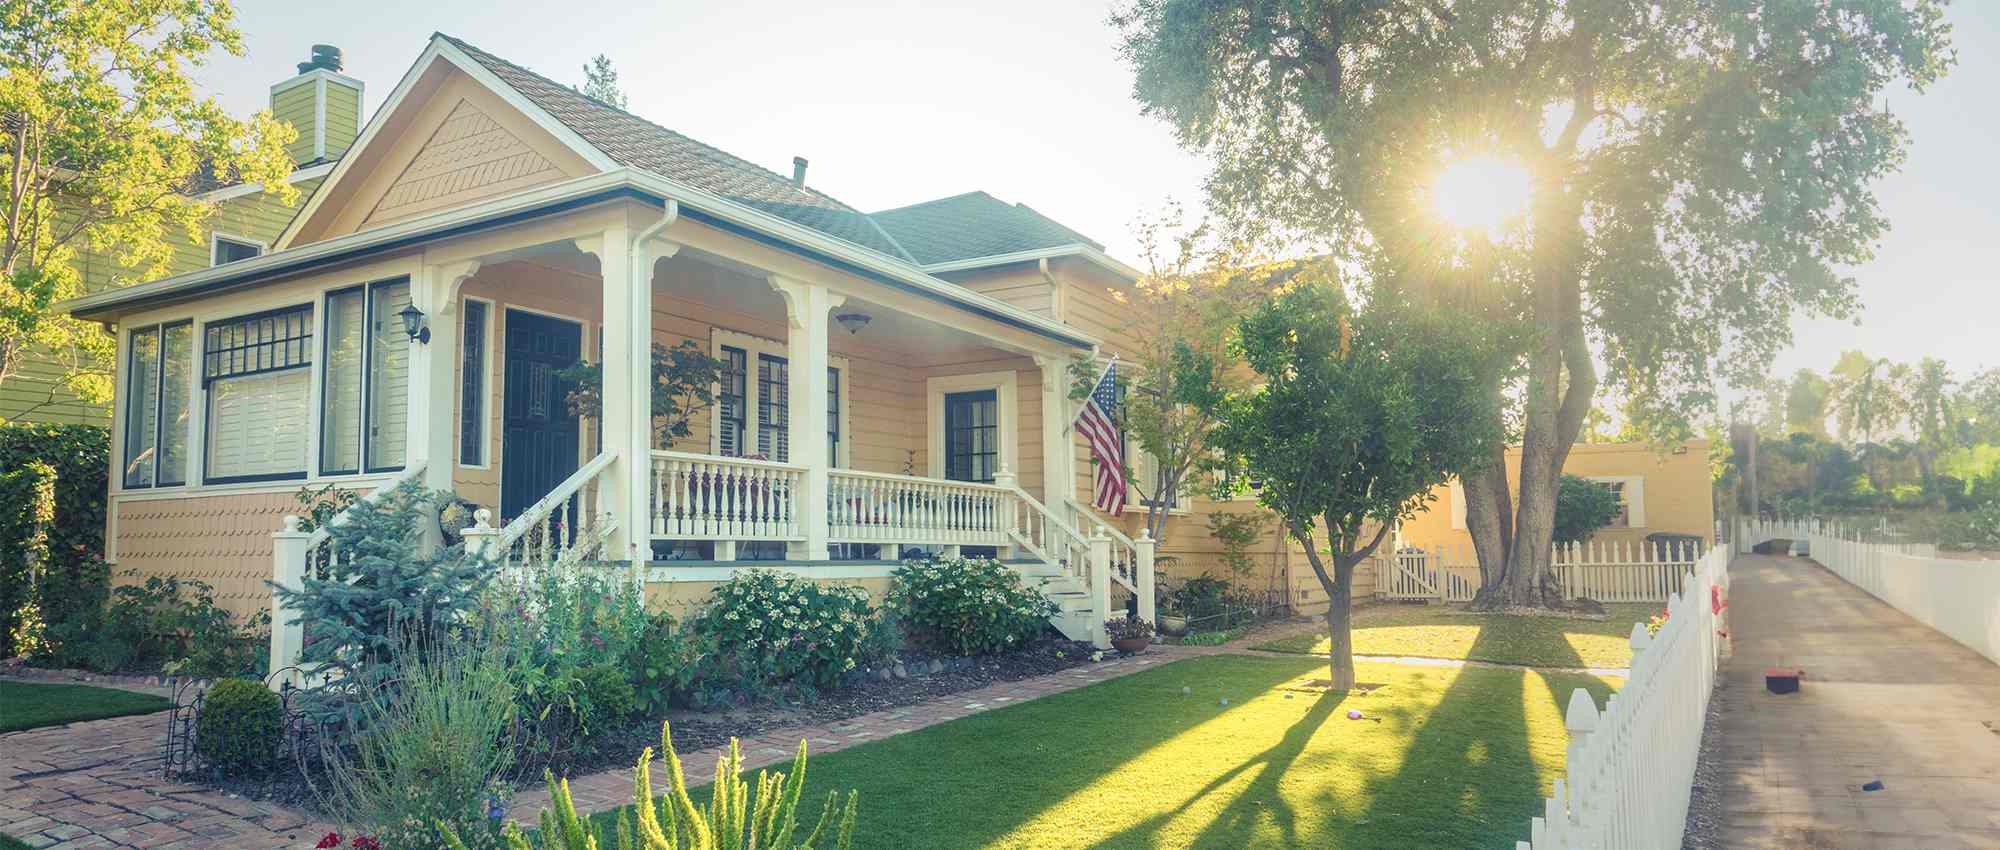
(774, 415)
(734, 414)
(472, 382)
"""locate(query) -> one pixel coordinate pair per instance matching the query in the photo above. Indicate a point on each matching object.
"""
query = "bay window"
(158, 358)
(256, 374)
(364, 408)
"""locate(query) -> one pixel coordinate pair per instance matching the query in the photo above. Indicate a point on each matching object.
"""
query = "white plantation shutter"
(176, 374)
(1146, 469)
(340, 428)
(388, 376)
(257, 424)
(142, 407)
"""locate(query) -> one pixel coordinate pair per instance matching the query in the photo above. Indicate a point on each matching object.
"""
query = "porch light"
(853, 322)
(413, 323)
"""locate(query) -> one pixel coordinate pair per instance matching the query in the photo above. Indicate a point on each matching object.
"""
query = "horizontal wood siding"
(343, 118)
(296, 106)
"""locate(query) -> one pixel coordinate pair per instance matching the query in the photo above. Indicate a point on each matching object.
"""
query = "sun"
(1482, 193)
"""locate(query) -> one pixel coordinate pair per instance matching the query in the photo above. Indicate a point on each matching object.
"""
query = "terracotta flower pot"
(1173, 626)
(1131, 645)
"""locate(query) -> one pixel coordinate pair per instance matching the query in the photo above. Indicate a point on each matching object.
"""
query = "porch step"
(1074, 618)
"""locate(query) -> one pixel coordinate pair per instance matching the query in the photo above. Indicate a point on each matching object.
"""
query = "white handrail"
(538, 513)
(1125, 551)
(874, 507)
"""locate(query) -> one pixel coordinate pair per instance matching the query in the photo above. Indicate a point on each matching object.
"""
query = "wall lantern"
(853, 322)
(413, 323)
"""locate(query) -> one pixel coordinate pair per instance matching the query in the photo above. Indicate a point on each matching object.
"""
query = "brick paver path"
(1884, 698)
(99, 784)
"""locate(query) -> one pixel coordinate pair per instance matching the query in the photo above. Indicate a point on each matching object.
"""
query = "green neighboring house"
(324, 105)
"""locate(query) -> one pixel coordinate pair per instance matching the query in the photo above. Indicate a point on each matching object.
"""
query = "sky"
(899, 102)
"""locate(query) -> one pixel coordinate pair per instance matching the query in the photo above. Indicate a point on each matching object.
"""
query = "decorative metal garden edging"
(299, 734)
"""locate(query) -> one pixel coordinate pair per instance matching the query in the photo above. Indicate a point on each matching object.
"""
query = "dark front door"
(539, 437)
(972, 445)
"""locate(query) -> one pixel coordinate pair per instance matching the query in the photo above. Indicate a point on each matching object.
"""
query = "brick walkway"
(98, 784)
(1885, 698)
(613, 788)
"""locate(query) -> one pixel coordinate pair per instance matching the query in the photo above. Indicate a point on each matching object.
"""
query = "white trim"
(754, 345)
(664, 572)
(1632, 494)
(238, 190)
(320, 75)
(216, 237)
(242, 488)
(441, 50)
(486, 387)
(1004, 386)
(1072, 250)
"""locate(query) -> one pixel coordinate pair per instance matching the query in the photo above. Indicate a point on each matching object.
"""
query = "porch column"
(1058, 444)
(434, 372)
(625, 265)
(808, 306)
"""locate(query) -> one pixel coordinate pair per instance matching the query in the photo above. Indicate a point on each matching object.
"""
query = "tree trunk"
(1489, 517)
(1340, 654)
(1339, 587)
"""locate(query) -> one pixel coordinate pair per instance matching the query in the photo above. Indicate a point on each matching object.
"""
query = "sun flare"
(1481, 193)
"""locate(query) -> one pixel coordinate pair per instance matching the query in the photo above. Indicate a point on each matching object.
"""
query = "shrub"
(1210, 603)
(1582, 507)
(238, 727)
(1127, 628)
(427, 748)
(772, 630)
(27, 508)
(382, 583)
(966, 606)
(604, 696)
(166, 623)
(568, 632)
(769, 821)
(73, 540)
(1237, 531)
(661, 664)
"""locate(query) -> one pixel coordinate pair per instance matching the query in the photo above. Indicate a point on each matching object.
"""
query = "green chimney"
(323, 104)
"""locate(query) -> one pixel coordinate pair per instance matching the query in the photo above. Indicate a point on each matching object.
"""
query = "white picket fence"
(1601, 571)
(1960, 599)
(1630, 766)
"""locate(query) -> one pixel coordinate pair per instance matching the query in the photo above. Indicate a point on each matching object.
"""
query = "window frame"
(1631, 490)
(484, 414)
(217, 237)
(125, 412)
(1006, 387)
(752, 346)
(366, 361)
(313, 308)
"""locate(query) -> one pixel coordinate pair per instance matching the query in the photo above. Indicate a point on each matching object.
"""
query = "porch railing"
(296, 554)
(872, 507)
(565, 526)
(708, 497)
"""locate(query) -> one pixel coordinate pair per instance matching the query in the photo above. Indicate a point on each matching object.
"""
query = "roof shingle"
(634, 142)
(974, 224)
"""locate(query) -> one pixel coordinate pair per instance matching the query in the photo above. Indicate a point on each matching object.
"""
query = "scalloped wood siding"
(470, 156)
(222, 540)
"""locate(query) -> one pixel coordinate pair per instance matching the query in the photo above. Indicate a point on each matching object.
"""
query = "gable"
(470, 156)
(449, 142)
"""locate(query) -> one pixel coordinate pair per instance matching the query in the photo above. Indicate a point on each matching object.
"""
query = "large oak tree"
(1699, 172)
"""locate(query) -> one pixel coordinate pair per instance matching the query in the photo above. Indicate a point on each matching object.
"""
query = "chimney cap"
(799, 171)
(323, 56)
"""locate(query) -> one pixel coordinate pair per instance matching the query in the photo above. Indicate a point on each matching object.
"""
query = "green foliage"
(105, 131)
(684, 380)
(1360, 416)
(68, 577)
(1582, 507)
(319, 505)
(381, 583)
(770, 630)
(237, 731)
(966, 606)
(731, 819)
(1237, 531)
(578, 642)
(661, 663)
(1214, 638)
(600, 81)
(1210, 603)
(431, 745)
(164, 623)
(1127, 628)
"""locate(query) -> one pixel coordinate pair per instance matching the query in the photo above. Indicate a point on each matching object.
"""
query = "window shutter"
(256, 425)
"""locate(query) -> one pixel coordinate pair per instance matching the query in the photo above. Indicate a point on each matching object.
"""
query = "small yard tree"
(1360, 416)
(1582, 507)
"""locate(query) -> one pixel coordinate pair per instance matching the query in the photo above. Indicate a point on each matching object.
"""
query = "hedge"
(52, 501)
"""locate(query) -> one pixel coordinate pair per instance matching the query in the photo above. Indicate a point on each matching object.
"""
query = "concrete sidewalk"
(1885, 698)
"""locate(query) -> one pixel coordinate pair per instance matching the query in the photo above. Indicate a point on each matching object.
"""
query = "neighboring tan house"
(894, 380)
(324, 106)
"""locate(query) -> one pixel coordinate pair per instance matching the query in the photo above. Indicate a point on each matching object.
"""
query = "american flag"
(1107, 446)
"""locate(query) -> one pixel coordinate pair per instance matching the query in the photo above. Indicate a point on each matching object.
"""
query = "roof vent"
(799, 171)
(323, 56)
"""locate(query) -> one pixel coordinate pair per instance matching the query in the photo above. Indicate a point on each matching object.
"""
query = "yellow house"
(324, 106)
(1659, 491)
(894, 380)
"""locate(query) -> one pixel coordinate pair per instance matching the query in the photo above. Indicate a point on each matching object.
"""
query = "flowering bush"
(967, 606)
(569, 633)
(767, 629)
(1656, 622)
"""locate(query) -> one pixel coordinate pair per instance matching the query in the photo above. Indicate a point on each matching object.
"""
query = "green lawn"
(8, 842)
(1436, 631)
(1460, 759)
(30, 705)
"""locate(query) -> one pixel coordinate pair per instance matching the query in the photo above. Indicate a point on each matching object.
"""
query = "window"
(972, 435)
(1631, 490)
(1148, 472)
(255, 372)
(734, 406)
(365, 409)
(774, 414)
(223, 249)
(832, 416)
(156, 409)
(472, 391)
